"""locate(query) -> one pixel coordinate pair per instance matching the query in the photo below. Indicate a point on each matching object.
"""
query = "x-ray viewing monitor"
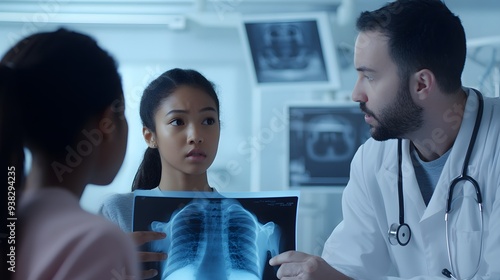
(322, 141)
(291, 50)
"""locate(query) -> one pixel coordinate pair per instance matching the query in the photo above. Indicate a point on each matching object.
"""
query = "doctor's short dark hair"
(423, 34)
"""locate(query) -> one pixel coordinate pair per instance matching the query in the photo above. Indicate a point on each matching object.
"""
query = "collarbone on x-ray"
(215, 239)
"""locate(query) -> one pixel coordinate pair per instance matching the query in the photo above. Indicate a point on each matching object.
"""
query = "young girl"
(61, 98)
(180, 115)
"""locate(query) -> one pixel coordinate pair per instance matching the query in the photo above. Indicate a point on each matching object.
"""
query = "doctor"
(409, 56)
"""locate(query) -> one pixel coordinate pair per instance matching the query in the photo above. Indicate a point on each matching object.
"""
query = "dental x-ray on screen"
(221, 236)
(291, 50)
(322, 142)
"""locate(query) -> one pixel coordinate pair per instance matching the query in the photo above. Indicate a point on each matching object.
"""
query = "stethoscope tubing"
(465, 177)
(448, 248)
(462, 177)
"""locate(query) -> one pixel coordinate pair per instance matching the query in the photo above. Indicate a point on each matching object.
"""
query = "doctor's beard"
(399, 118)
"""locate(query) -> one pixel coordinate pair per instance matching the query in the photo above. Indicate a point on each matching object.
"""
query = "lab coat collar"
(453, 165)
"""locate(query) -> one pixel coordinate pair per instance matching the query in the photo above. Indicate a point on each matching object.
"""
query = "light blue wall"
(145, 52)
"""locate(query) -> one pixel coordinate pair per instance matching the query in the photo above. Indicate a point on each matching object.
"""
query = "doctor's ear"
(149, 137)
(423, 82)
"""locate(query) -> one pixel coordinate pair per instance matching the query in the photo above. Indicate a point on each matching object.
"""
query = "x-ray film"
(217, 236)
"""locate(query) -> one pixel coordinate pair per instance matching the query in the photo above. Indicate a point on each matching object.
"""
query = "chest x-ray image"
(213, 237)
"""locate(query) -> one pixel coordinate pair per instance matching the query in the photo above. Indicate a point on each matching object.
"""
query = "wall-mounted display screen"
(322, 142)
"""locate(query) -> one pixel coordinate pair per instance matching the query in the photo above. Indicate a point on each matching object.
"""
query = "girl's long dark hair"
(149, 173)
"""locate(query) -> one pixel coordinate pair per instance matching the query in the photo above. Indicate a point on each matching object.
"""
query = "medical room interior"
(287, 120)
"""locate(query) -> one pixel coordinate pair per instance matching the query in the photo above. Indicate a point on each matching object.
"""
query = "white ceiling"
(178, 6)
(161, 11)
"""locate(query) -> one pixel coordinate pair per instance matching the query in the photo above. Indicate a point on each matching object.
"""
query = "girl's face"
(187, 131)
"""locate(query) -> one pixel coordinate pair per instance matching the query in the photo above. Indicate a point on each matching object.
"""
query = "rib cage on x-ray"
(215, 239)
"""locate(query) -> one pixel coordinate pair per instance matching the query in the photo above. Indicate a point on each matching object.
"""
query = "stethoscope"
(401, 233)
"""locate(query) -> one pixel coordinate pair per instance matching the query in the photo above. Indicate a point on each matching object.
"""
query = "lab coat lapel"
(388, 175)
(453, 165)
(411, 189)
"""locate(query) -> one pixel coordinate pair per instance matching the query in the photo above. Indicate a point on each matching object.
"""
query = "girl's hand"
(141, 237)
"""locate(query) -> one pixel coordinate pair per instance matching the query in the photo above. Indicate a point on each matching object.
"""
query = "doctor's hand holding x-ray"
(421, 202)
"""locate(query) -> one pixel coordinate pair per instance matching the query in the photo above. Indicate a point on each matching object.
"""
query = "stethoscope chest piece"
(399, 234)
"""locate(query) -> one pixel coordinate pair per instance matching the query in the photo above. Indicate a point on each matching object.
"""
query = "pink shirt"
(62, 241)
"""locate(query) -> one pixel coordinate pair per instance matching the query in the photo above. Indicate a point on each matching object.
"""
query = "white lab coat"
(359, 245)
